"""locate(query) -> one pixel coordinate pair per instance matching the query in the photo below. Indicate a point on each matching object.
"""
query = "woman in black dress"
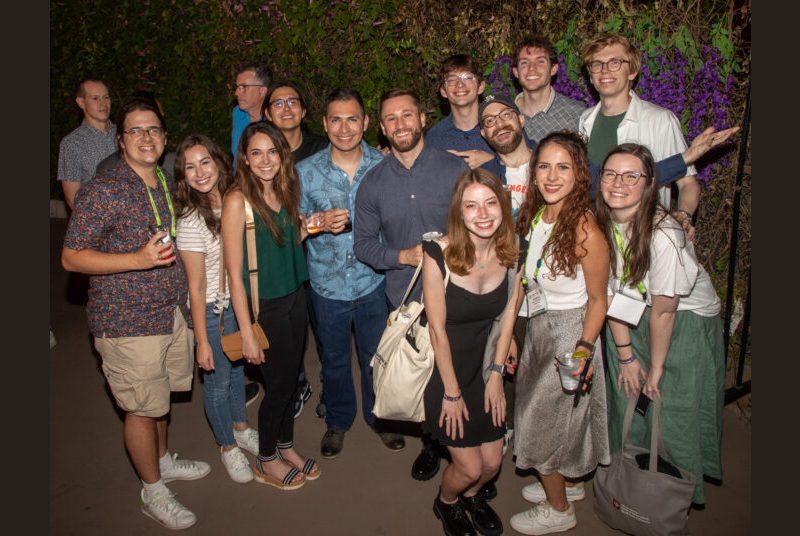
(461, 411)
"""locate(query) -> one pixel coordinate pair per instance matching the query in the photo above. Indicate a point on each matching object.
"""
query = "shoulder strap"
(252, 260)
(419, 269)
(252, 263)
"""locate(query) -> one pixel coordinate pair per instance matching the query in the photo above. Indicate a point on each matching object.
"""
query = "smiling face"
(142, 150)
(284, 108)
(461, 92)
(402, 122)
(608, 83)
(623, 200)
(554, 174)
(200, 169)
(504, 135)
(345, 124)
(262, 157)
(533, 69)
(481, 210)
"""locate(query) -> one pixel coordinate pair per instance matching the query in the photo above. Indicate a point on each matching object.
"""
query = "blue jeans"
(334, 319)
(223, 387)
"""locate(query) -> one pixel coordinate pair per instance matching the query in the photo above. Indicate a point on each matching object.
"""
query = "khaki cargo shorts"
(141, 371)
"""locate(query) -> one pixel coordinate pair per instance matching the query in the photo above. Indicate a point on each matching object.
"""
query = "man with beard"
(403, 197)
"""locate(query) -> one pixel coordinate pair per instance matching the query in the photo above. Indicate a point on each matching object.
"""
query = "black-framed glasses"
(490, 120)
(138, 132)
(291, 102)
(629, 178)
(467, 78)
(612, 65)
(243, 87)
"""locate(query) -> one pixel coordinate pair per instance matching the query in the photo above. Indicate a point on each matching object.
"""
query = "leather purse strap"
(252, 263)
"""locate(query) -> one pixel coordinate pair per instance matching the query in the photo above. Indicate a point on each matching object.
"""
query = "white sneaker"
(247, 439)
(237, 465)
(543, 519)
(166, 510)
(535, 492)
(181, 469)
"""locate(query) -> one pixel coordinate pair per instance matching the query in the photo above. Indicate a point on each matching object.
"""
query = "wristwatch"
(498, 368)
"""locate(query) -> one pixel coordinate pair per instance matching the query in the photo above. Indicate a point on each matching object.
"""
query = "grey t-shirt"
(82, 149)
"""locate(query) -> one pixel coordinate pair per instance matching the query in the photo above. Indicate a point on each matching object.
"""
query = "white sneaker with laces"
(237, 465)
(535, 492)
(164, 508)
(182, 469)
(247, 439)
(543, 519)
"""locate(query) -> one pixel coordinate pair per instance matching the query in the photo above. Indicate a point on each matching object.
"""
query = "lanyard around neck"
(528, 256)
(163, 182)
(626, 268)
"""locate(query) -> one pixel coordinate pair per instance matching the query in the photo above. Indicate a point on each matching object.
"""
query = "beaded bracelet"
(452, 398)
(628, 361)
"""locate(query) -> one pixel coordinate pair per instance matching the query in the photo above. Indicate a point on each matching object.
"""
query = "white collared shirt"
(646, 124)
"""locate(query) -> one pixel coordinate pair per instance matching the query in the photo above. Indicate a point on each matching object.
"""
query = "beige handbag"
(232, 343)
(403, 363)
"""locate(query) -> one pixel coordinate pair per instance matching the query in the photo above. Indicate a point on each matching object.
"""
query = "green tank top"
(281, 269)
(603, 137)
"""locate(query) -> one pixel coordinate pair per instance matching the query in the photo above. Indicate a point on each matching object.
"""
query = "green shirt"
(281, 269)
(603, 137)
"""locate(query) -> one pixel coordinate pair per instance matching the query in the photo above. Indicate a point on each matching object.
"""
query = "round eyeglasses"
(629, 178)
(613, 64)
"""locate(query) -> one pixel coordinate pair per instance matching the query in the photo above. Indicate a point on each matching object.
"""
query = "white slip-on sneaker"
(164, 508)
(182, 469)
(543, 519)
(535, 492)
(247, 439)
(236, 464)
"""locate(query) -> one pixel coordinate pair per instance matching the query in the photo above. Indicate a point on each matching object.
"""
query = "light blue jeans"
(223, 387)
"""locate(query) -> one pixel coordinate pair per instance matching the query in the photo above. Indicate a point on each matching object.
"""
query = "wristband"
(586, 345)
(452, 398)
(623, 345)
(628, 361)
(495, 367)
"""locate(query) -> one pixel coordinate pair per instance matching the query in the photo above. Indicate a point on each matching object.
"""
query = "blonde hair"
(606, 39)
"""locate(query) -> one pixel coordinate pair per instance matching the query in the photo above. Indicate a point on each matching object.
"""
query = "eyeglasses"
(243, 87)
(489, 120)
(291, 103)
(138, 132)
(613, 64)
(453, 79)
(629, 178)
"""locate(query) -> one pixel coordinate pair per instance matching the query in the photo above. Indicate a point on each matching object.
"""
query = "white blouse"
(674, 271)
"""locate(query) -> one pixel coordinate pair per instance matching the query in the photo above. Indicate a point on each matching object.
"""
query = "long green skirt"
(692, 393)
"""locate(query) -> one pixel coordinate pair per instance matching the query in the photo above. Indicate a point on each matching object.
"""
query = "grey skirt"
(549, 434)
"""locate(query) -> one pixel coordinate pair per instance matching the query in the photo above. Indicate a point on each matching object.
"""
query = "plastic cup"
(567, 365)
(313, 222)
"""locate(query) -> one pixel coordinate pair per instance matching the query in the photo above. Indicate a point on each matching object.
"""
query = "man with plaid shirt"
(545, 110)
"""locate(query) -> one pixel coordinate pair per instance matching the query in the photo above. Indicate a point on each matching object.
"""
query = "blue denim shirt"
(335, 272)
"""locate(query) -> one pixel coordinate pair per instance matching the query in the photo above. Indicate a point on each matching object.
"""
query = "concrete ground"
(367, 490)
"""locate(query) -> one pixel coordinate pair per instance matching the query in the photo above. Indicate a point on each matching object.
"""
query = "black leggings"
(285, 321)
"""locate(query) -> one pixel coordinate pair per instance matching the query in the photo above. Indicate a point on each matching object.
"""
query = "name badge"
(626, 309)
(535, 300)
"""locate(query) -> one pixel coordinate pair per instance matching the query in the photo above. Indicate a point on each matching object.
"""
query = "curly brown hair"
(563, 243)
(460, 252)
